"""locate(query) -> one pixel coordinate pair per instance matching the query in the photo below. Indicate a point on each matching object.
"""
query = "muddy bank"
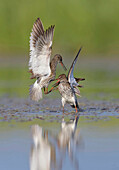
(26, 110)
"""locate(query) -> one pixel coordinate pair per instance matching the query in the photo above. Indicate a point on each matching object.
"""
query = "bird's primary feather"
(70, 76)
(40, 49)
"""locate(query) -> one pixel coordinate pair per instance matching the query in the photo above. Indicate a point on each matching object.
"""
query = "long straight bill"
(63, 66)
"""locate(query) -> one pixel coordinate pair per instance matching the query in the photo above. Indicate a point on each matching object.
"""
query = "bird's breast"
(65, 90)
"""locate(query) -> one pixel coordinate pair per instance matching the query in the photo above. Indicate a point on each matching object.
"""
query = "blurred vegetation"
(93, 24)
(100, 84)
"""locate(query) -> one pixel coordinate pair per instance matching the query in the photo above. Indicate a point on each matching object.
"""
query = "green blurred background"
(91, 24)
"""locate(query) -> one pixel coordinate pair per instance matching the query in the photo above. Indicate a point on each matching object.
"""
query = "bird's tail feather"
(35, 91)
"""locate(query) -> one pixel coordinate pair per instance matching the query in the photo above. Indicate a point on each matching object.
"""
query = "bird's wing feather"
(70, 76)
(77, 91)
(40, 49)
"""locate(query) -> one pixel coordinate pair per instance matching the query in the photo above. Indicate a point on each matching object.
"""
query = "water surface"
(85, 144)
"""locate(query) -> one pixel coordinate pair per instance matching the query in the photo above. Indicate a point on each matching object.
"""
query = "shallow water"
(43, 144)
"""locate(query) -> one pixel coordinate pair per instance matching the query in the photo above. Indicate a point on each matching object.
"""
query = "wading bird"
(39, 63)
(67, 87)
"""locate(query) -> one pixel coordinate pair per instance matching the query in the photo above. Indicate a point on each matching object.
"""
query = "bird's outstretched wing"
(40, 49)
(70, 76)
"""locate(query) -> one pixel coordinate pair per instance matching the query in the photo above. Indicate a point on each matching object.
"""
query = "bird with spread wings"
(40, 66)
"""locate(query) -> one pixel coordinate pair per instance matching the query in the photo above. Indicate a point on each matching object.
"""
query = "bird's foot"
(45, 91)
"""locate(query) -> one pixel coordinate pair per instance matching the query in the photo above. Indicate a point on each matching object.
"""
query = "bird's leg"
(52, 89)
(76, 117)
(45, 91)
(76, 108)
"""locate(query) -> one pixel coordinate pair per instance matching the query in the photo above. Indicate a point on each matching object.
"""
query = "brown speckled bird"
(67, 87)
(39, 64)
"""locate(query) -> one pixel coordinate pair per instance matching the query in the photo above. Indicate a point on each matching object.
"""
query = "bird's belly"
(66, 93)
(69, 99)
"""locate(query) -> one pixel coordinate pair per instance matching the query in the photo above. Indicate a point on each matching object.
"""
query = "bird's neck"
(53, 65)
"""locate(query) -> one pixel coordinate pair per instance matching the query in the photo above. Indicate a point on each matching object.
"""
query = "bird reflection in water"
(50, 151)
(42, 152)
(70, 140)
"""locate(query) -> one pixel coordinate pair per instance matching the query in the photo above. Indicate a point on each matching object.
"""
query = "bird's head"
(58, 57)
